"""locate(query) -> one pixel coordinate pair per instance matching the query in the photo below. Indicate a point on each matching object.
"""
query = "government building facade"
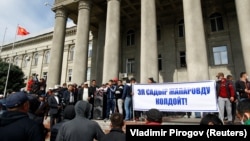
(169, 40)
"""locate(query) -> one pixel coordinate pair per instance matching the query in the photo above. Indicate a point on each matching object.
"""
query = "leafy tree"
(15, 81)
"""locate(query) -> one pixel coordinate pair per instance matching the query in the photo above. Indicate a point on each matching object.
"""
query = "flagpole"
(3, 40)
(12, 50)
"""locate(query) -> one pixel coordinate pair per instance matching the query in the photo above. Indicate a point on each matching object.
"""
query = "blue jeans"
(128, 108)
(110, 106)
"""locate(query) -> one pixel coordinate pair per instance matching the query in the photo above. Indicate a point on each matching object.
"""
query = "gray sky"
(33, 15)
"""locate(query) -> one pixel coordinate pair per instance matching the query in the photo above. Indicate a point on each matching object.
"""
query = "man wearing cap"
(225, 93)
(153, 117)
(15, 123)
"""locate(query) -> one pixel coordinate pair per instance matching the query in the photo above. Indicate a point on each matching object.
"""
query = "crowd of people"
(71, 107)
(230, 93)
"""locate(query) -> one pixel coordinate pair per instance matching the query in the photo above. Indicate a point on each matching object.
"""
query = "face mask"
(242, 120)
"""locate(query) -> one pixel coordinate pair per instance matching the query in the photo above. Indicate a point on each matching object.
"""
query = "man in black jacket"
(118, 96)
(68, 114)
(116, 132)
(69, 96)
(243, 86)
(84, 93)
(55, 108)
(93, 89)
(15, 124)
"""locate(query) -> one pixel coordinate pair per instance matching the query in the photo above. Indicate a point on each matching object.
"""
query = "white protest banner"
(183, 97)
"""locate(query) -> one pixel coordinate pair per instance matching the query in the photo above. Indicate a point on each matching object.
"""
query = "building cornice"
(71, 31)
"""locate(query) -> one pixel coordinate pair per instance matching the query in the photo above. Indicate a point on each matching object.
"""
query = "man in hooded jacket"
(80, 128)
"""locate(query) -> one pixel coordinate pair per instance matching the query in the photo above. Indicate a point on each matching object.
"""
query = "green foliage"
(15, 82)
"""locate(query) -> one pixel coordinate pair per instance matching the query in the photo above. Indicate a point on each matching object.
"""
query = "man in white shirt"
(85, 95)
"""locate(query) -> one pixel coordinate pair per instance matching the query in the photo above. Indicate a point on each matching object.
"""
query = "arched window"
(71, 53)
(16, 61)
(35, 59)
(25, 61)
(216, 22)
(158, 28)
(46, 57)
(130, 38)
(181, 28)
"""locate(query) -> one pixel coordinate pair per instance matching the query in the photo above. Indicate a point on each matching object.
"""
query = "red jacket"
(29, 85)
(152, 123)
(225, 89)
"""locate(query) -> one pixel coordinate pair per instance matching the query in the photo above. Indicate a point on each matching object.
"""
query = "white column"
(243, 14)
(149, 51)
(94, 56)
(80, 63)
(56, 54)
(100, 52)
(65, 63)
(196, 52)
(112, 41)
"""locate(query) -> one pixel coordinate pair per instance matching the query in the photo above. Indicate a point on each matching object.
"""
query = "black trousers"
(55, 118)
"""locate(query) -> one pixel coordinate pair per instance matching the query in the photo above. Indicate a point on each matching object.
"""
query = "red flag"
(22, 31)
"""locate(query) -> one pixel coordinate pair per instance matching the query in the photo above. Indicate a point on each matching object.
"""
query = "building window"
(46, 57)
(216, 22)
(90, 50)
(220, 55)
(69, 75)
(130, 38)
(45, 74)
(25, 61)
(88, 73)
(35, 59)
(71, 53)
(16, 61)
(183, 63)
(158, 33)
(181, 28)
(159, 62)
(130, 65)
